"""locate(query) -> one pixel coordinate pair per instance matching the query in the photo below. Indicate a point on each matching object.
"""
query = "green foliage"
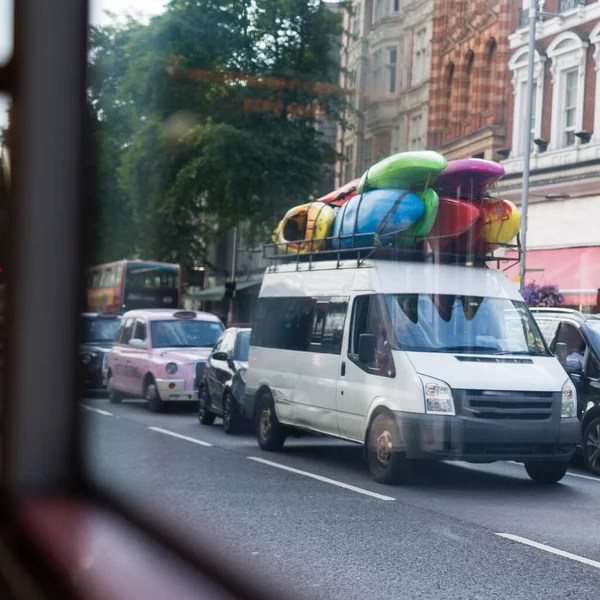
(200, 122)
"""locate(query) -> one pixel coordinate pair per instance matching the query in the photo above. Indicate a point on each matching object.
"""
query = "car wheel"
(387, 460)
(204, 415)
(155, 404)
(270, 433)
(548, 472)
(591, 446)
(114, 396)
(230, 415)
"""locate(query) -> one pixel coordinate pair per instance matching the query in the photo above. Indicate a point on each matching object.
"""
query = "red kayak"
(455, 217)
(470, 240)
(341, 195)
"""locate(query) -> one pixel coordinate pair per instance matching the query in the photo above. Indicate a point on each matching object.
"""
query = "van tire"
(114, 396)
(155, 404)
(387, 460)
(270, 433)
(546, 472)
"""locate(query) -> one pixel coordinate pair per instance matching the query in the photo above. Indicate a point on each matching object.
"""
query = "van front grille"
(525, 406)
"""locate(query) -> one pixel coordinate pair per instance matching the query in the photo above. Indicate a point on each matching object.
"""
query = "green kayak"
(412, 171)
(421, 228)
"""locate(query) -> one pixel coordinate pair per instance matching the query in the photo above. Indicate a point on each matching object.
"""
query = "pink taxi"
(160, 355)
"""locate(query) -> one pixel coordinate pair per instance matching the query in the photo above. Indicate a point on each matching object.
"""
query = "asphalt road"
(341, 535)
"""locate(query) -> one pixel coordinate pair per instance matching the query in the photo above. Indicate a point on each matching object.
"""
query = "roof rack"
(287, 252)
(565, 311)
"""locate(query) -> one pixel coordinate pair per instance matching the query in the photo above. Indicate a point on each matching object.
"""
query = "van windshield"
(451, 323)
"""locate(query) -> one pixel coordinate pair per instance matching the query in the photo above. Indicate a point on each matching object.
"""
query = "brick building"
(564, 202)
(469, 80)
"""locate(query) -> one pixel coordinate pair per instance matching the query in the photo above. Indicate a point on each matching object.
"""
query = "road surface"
(312, 522)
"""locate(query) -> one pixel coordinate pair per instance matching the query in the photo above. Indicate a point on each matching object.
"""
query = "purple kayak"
(468, 178)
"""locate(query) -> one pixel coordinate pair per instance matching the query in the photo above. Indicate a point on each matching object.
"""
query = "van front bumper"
(471, 439)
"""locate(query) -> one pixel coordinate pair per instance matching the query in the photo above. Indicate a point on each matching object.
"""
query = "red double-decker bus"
(132, 284)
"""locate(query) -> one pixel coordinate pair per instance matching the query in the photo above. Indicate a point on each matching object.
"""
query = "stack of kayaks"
(406, 201)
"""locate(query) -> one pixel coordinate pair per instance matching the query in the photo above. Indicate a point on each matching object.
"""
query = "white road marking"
(596, 479)
(581, 559)
(181, 437)
(346, 486)
(97, 410)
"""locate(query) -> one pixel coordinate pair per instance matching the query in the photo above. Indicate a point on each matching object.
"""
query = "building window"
(467, 98)
(570, 107)
(355, 27)
(518, 65)
(380, 10)
(392, 62)
(568, 53)
(416, 132)
(447, 94)
(376, 73)
(490, 76)
(394, 6)
(348, 157)
(420, 59)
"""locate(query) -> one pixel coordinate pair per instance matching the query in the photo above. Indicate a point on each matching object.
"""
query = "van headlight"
(242, 374)
(568, 401)
(171, 368)
(438, 396)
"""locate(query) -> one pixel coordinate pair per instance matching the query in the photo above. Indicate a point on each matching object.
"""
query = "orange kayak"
(341, 195)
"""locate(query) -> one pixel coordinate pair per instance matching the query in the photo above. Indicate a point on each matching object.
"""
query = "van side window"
(576, 346)
(328, 325)
(548, 327)
(367, 318)
(284, 323)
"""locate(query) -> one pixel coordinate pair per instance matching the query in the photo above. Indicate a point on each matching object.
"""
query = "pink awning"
(576, 271)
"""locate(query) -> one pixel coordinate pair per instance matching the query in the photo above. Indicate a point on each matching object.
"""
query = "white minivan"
(413, 360)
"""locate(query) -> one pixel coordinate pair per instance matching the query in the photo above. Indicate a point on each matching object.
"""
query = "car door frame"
(138, 359)
(119, 365)
(222, 371)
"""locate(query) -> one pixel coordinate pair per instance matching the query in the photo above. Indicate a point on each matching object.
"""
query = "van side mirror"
(367, 345)
(561, 352)
(223, 356)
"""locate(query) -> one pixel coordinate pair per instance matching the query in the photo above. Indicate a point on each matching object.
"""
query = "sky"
(139, 8)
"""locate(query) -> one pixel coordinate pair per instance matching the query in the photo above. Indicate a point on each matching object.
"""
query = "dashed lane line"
(569, 555)
(340, 484)
(97, 410)
(181, 437)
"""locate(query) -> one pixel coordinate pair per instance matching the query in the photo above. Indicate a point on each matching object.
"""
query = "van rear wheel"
(270, 433)
(551, 471)
(387, 460)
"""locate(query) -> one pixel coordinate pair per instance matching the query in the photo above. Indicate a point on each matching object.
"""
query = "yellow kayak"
(304, 228)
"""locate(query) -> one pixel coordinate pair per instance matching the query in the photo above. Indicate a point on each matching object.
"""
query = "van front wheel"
(385, 451)
(547, 471)
(270, 433)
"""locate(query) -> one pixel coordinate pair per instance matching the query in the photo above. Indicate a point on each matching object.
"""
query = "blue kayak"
(384, 212)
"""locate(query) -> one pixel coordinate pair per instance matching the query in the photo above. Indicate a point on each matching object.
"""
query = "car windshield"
(243, 346)
(451, 323)
(185, 334)
(99, 330)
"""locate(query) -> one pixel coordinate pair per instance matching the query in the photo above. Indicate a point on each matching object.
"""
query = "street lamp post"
(533, 17)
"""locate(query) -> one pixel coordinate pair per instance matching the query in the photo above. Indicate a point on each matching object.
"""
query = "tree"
(208, 113)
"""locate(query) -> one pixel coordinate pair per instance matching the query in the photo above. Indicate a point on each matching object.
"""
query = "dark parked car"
(99, 332)
(224, 379)
(580, 355)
